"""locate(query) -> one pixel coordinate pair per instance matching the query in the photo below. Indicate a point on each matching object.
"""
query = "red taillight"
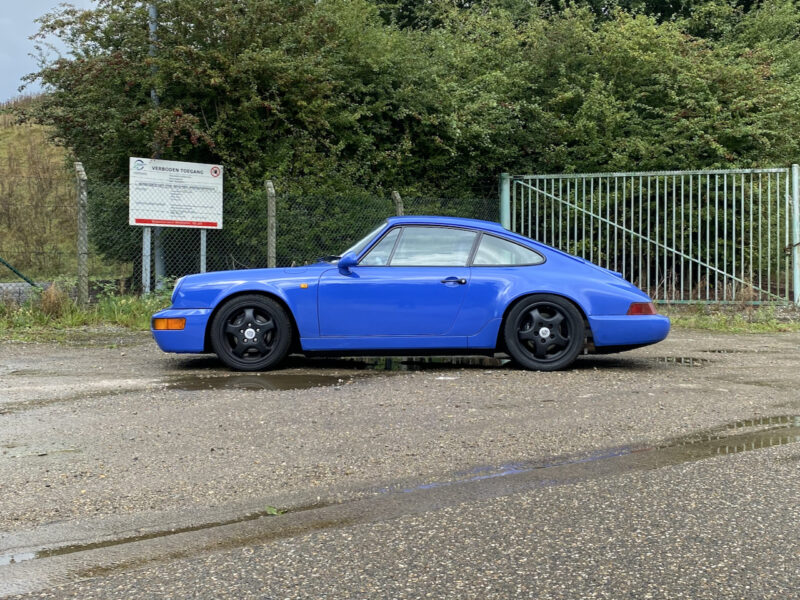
(642, 308)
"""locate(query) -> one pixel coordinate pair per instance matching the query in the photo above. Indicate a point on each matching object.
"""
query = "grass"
(733, 318)
(53, 316)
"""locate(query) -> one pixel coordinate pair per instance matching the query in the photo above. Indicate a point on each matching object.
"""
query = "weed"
(54, 301)
(733, 318)
(43, 314)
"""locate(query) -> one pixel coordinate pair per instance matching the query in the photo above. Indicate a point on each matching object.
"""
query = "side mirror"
(347, 261)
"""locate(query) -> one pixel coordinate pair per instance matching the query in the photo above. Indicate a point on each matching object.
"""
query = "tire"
(555, 317)
(251, 333)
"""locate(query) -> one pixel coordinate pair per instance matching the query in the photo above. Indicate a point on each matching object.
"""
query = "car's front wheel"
(251, 333)
(544, 332)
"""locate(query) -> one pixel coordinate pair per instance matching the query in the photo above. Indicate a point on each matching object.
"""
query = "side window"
(496, 251)
(433, 247)
(380, 254)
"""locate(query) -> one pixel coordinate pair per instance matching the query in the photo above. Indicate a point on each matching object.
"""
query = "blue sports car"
(435, 285)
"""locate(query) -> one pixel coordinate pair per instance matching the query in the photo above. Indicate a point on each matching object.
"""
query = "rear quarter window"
(495, 251)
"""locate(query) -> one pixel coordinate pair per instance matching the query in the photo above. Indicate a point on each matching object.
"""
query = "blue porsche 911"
(433, 285)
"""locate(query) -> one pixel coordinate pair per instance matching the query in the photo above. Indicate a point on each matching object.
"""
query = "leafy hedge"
(352, 98)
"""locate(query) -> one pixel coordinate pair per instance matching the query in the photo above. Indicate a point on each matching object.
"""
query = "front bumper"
(624, 330)
(190, 339)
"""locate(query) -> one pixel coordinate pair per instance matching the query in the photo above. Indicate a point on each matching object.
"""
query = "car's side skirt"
(382, 343)
(405, 352)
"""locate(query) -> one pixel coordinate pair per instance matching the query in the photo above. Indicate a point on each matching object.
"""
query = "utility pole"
(158, 247)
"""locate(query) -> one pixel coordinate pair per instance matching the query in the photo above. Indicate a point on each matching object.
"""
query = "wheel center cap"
(250, 333)
(544, 332)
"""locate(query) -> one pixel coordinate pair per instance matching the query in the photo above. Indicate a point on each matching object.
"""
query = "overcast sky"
(16, 26)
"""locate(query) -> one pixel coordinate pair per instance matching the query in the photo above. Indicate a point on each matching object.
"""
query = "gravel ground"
(107, 435)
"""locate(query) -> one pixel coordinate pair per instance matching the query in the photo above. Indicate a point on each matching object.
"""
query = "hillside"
(37, 203)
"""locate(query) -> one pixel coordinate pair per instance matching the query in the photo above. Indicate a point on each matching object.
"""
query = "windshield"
(361, 244)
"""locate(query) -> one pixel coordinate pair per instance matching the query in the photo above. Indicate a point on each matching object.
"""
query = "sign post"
(166, 193)
(146, 260)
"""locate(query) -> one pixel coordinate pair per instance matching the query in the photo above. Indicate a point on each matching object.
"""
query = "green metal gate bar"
(684, 236)
(18, 273)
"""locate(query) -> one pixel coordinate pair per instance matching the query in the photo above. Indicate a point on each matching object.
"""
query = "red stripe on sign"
(173, 222)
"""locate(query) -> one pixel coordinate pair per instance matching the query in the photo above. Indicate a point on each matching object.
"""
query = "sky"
(16, 26)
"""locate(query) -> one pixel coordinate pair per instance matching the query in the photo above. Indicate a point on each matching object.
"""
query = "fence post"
(203, 248)
(505, 200)
(145, 260)
(83, 235)
(398, 203)
(796, 232)
(271, 226)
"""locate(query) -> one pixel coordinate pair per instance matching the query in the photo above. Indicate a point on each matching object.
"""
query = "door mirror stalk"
(347, 261)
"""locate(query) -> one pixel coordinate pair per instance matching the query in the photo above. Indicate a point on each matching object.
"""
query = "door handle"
(460, 281)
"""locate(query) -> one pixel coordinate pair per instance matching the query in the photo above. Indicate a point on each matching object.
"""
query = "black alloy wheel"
(251, 333)
(544, 332)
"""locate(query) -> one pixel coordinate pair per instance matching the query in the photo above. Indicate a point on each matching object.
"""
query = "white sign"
(167, 193)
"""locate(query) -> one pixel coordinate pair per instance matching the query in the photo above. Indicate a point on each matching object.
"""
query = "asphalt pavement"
(666, 472)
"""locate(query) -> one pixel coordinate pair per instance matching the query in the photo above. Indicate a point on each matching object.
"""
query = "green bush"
(342, 101)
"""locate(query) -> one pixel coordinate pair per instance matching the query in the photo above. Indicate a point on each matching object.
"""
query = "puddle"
(681, 361)
(410, 363)
(740, 436)
(10, 559)
(13, 558)
(254, 382)
(192, 382)
(480, 483)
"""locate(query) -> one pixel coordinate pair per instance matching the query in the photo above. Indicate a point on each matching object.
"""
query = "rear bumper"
(190, 339)
(623, 330)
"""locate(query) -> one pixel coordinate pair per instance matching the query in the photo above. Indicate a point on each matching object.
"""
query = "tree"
(346, 96)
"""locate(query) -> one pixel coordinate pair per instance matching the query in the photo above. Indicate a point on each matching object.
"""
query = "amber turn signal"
(642, 308)
(162, 324)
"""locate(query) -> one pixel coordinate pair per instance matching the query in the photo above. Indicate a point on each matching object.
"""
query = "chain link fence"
(38, 232)
(38, 219)
(38, 235)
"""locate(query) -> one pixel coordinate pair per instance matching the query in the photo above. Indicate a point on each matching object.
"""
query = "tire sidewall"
(575, 327)
(283, 332)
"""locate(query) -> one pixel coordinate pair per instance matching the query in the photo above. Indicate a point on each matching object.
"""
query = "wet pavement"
(253, 382)
(129, 473)
(477, 484)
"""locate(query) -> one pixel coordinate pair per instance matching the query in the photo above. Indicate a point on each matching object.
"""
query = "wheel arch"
(500, 343)
(294, 346)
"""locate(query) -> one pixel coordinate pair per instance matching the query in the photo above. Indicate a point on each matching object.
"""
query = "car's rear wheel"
(544, 332)
(251, 333)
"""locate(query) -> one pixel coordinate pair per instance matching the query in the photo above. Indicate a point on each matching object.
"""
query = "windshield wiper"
(328, 258)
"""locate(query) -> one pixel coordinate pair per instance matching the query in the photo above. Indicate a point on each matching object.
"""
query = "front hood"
(204, 289)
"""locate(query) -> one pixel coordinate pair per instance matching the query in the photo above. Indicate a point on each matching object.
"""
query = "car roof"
(490, 226)
(451, 221)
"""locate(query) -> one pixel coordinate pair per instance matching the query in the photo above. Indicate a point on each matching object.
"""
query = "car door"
(411, 283)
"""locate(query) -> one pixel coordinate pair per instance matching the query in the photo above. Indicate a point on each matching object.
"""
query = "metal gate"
(682, 236)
